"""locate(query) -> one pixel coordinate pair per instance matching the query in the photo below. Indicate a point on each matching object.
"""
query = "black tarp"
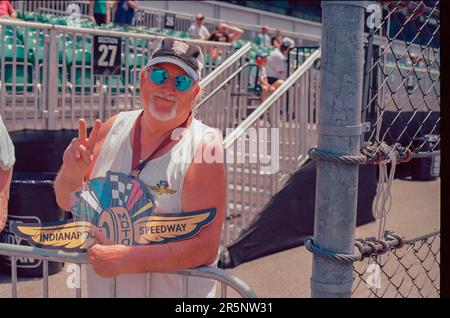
(288, 218)
(40, 150)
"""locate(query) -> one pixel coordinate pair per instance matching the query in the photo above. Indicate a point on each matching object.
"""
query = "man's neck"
(153, 131)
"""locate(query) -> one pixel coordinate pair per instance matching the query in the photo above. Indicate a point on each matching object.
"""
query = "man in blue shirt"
(124, 11)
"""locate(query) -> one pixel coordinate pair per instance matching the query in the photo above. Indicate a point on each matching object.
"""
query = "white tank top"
(116, 155)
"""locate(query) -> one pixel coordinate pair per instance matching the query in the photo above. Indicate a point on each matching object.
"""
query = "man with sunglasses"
(149, 143)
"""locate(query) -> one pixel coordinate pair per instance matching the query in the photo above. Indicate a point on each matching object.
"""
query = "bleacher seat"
(24, 72)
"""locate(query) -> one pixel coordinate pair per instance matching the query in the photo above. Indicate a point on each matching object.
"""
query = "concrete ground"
(415, 211)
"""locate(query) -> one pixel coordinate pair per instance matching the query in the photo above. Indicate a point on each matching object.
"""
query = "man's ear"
(143, 77)
(196, 90)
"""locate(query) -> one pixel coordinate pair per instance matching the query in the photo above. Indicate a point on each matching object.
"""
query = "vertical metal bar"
(73, 82)
(185, 286)
(52, 93)
(223, 290)
(14, 276)
(83, 74)
(148, 285)
(45, 278)
(63, 81)
(14, 85)
(78, 280)
(112, 287)
(335, 217)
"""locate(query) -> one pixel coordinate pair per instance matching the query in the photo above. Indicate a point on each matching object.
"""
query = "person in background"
(263, 38)
(276, 42)
(7, 160)
(7, 10)
(258, 77)
(197, 30)
(100, 11)
(226, 33)
(125, 10)
(276, 39)
(276, 62)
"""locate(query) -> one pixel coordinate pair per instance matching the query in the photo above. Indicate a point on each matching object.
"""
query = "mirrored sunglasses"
(160, 75)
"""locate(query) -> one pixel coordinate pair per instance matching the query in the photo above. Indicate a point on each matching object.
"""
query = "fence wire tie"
(324, 253)
(372, 153)
(395, 240)
(367, 247)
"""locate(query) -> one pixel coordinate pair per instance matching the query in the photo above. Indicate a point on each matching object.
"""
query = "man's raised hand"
(79, 154)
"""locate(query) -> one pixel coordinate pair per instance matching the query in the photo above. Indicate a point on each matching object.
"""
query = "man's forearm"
(65, 184)
(170, 257)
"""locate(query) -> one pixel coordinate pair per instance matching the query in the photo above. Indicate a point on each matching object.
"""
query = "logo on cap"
(180, 47)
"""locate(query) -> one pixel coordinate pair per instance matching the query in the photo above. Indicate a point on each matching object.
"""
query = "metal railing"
(48, 81)
(287, 130)
(218, 89)
(15, 251)
(152, 17)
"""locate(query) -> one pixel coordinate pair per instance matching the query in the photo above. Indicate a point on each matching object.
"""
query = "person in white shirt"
(198, 30)
(7, 160)
(258, 77)
(276, 62)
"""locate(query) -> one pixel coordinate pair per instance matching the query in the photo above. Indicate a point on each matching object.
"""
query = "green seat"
(44, 18)
(140, 43)
(155, 30)
(9, 52)
(7, 30)
(21, 79)
(75, 72)
(33, 43)
(9, 40)
(114, 83)
(30, 16)
(23, 74)
(237, 44)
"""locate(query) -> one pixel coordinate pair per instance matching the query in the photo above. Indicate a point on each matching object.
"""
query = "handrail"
(218, 88)
(253, 117)
(70, 29)
(60, 256)
(227, 63)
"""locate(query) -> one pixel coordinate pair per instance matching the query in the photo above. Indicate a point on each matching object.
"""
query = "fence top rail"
(227, 63)
(70, 29)
(258, 112)
(78, 258)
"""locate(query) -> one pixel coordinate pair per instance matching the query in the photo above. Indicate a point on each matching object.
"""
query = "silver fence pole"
(52, 84)
(339, 133)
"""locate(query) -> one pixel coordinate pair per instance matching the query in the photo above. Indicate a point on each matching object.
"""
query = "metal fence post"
(339, 132)
(52, 79)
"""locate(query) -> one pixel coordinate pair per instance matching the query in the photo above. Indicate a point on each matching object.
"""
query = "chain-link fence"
(409, 269)
(401, 100)
(401, 96)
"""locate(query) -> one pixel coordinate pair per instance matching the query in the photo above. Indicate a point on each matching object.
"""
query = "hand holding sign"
(79, 154)
(107, 259)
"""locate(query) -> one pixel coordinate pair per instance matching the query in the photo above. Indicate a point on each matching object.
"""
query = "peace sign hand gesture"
(79, 154)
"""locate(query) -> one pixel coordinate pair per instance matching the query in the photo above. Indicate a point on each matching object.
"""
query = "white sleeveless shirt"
(116, 155)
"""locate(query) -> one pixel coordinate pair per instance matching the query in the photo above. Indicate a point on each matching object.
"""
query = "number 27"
(103, 48)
